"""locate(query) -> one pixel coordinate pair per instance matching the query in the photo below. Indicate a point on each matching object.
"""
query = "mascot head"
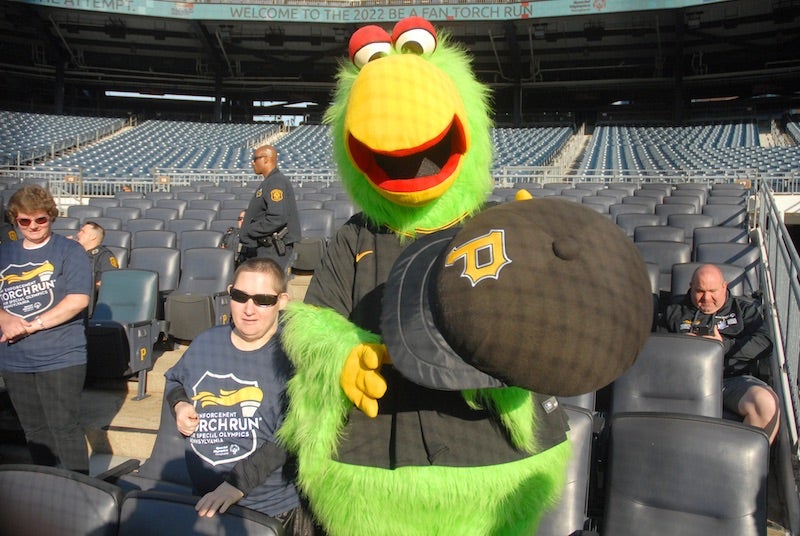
(411, 128)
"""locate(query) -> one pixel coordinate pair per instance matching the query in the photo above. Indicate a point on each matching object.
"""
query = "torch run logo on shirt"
(226, 407)
(26, 289)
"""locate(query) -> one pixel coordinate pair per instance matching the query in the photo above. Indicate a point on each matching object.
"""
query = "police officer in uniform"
(271, 223)
(90, 236)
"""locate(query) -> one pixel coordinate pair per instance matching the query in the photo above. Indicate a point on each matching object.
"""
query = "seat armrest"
(126, 467)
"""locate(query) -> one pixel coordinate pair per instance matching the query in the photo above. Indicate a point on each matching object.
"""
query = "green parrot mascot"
(438, 332)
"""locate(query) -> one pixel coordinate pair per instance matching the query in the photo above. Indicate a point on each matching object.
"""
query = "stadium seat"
(204, 214)
(726, 200)
(665, 211)
(675, 374)
(689, 222)
(39, 500)
(685, 475)
(694, 201)
(649, 202)
(84, 212)
(201, 299)
(166, 262)
(644, 233)
(67, 223)
(316, 223)
(664, 254)
(570, 515)
(727, 215)
(154, 239)
(114, 237)
(629, 222)
(123, 329)
(144, 224)
(161, 213)
(157, 196)
(617, 209)
(199, 239)
(308, 204)
(104, 202)
(342, 210)
(704, 235)
(108, 224)
(142, 203)
(205, 204)
(176, 515)
(176, 204)
(124, 214)
(186, 224)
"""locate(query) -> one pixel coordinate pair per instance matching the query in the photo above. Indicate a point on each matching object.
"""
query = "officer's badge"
(258, 193)
(114, 262)
(276, 195)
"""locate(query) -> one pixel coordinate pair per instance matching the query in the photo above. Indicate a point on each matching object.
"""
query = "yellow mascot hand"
(361, 378)
(522, 195)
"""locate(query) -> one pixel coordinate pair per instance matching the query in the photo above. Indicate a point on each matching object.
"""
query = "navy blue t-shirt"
(240, 399)
(32, 281)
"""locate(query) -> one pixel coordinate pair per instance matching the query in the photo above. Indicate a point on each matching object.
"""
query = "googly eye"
(369, 43)
(414, 35)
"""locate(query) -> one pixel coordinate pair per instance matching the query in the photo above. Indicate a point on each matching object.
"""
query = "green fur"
(474, 182)
(514, 406)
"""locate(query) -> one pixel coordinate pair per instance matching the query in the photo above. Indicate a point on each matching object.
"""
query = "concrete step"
(118, 424)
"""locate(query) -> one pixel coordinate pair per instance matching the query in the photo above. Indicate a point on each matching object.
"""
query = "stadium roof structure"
(67, 53)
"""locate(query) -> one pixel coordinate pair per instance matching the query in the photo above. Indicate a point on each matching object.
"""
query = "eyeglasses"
(262, 300)
(41, 220)
(240, 218)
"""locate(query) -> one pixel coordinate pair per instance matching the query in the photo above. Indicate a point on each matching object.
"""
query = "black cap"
(541, 294)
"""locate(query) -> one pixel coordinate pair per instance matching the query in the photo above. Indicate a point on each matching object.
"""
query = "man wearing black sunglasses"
(271, 223)
(228, 396)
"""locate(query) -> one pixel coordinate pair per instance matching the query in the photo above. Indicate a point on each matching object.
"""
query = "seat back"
(144, 224)
(316, 223)
(629, 222)
(682, 278)
(43, 500)
(665, 211)
(155, 239)
(571, 512)
(187, 224)
(691, 200)
(342, 209)
(162, 260)
(116, 237)
(717, 233)
(727, 215)
(165, 514)
(646, 233)
(675, 374)
(205, 214)
(664, 254)
(161, 213)
(127, 296)
(142, 203)
(689, 222)
(685, 475)
(206, 271)
(108, 223)
(66, 223)
(124, 214)
(84, 212)
(199, 239)
(175, 204)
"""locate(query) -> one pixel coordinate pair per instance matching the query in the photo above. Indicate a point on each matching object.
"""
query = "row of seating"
(48, 500)
(659, 456)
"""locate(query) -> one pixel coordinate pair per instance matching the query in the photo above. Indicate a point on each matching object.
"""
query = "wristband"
(39, 321)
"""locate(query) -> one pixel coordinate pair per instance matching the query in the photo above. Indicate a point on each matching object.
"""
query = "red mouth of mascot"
(415, 169)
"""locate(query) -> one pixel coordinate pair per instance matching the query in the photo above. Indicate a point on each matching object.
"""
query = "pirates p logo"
(484, 256)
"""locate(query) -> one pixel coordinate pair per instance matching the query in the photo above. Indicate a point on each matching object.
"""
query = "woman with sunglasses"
(228, 396)
(45, 284)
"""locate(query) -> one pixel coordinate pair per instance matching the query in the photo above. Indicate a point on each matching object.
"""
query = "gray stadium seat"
(147, 238)
(727, 215)
(201, 299)
(644, 233)
(745, 255)
(144, 224)
(684, 475)
(675, 374)
(40, 500)
(665, 254)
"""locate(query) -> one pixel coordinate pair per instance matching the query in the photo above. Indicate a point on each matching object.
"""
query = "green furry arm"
(514, 406)
(317, 341)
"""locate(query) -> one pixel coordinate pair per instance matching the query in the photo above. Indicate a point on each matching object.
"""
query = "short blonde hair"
(30, 199)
